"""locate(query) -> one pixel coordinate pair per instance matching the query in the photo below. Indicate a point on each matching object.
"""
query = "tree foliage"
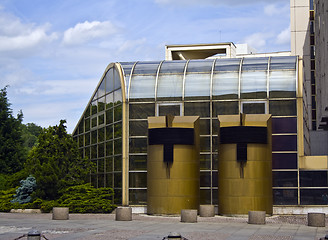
(12, 152)
(30, 133)
(25, 190)
(55, 162)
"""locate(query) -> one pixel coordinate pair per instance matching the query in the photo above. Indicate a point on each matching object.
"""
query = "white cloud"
(284, 37)
(272, 10)
(84, 32)
(257, 40)
(212, 2)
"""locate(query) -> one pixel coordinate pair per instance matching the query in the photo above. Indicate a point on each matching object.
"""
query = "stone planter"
(60, 213)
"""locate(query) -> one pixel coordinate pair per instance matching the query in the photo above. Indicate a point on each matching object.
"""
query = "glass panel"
(284, 125)
(255, 64)
(118, 130)
(109, 164)
(100, 165)
(285, 196)
(118, 146)
(94, 137)
(201, 109)
(87, 139)
(141, 111)
(138, 128)
(225, 108)
(200, 66)
(253, 85)
(169, 86)
(284, 179)
(94, 107)
(118, 113)
(197, 85)
(87, 112)
(117, 180)
(117, 80)
(127, 67)
(138, 179)
(109, 180)
(118, 163)
(81, 141)
(101, 150)
(284, 143)
(138, 162)
(109, 116)
(214, 179)
(229, 65)
(215, 144)
(138, 145)
(313, 178)
(253, 108)
(283, 108)
(101, 135)
(118, 96)
(205, 144)
(109, 80)
(215, 158)
(138, 196)
(87, 124)
(101, 104)
(225, 85)
(146, 68)
(284, 160)
(109, 100)
(87, 152)
(205, 161)
(109, 132)
(205, 179)
(205, 196)
(173, 110)
(283, 63)
(176, 66)
(101, 119)
(94, 122)
(142, 86)
(215, 196)
(205, 126)
(117, 196)
(94, 151)
(101, 90)
(282, 84)
(314, 196)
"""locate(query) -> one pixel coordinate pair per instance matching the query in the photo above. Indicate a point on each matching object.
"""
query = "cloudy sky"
(53, 53)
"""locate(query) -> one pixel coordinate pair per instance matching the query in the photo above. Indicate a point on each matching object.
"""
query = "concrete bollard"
(33, 235)
(256, 217)
(316, 219)
(123, 214)
(189, 215)
(206, 211)
(60, 213)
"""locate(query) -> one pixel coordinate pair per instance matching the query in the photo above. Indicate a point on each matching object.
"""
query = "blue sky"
(53, 53)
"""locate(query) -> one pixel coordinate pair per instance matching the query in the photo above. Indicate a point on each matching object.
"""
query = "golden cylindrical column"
(172, 175)
(245, 164)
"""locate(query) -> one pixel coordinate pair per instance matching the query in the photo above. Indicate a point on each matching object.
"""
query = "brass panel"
(313, 162)
(246, 187)
(173, 187)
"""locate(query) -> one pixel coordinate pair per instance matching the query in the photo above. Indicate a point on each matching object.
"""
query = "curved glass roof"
(247, 78)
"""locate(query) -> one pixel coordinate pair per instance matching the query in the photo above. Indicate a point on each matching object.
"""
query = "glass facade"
(205, 88)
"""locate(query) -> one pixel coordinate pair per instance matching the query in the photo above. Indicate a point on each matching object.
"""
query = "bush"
(87, 199)
(5, 197)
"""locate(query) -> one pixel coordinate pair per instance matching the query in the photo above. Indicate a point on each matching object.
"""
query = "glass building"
(112, 132)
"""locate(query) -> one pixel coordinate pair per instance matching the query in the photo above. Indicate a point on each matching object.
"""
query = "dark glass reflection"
(284, 160)
(285, 196)
(314, 178)
(284, 179)
(314, 196)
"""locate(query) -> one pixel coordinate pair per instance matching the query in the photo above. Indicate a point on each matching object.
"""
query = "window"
(259, 107)
(174, 109)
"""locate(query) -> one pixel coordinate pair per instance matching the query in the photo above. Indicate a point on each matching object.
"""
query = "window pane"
(138, 162)
(118, 113)
(284, 125)
(205, 196)
(229, 65)
(109, 132)
(253, 85)
(118, 163)
(283, 63)
(284, 179)
(252, 64)
(225, 108)
(109, 164)
(117, 80)
(285, 196)
(138, 179)
(118, 130)
(138, 196)
(170, 86)
(176, 66)
(149, 67)
(313, 178)
(205, 179)
(314, 196)
(282, 84)
(142, 86)
(253, 108)
(205, 162)
(284, 143)
(109, 148)
(101, 104)
(109, 100)
(205, 126)
(109, 180)
(283, 108)
(118, 146)
(173, 110)
(87, 139)
(100, 165)
(197, 85)
(118, 96)
(138, 128)
(225, 85)
(138, 145)
(101, 119)
(201, 109)
(205, 144)
(109, 80)
(200, 66)
(141, 111)
(101, 149)
(284, 160)
(94, 137)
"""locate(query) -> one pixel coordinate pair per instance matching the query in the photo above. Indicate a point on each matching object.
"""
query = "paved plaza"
(104, 226)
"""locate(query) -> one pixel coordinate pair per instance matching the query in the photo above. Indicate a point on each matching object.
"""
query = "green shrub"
(5, 197)
(87, 199)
